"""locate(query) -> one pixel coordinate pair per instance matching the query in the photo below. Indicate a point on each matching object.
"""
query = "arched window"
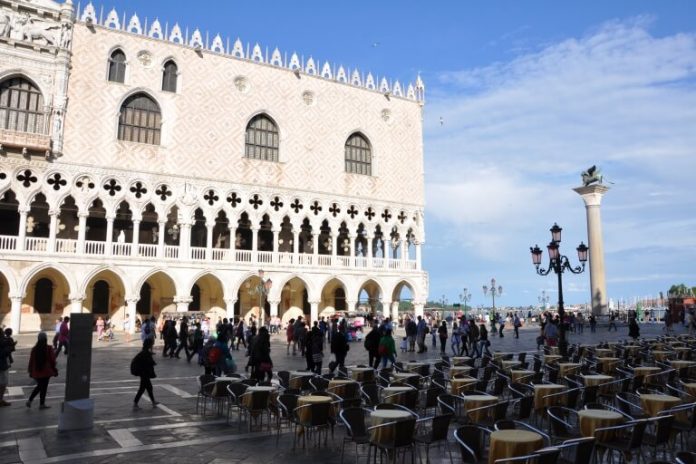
(117, 66)
(358, 155)
(262, 139)
(140, 120)
(21, 106)
(100, 297)
(169, 76)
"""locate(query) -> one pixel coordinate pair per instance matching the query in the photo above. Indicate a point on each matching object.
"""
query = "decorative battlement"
(298, 64)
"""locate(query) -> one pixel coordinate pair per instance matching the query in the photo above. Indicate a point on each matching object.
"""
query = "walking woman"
(455, 339)
(289, 336)
(143, 366)
(483, 342)
(42, 366)
(387, 349)
(261, 352)
(442, 332)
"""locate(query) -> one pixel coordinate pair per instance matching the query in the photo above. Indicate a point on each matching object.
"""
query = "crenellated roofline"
(256, 54)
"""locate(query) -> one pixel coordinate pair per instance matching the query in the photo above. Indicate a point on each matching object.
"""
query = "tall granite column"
(592, 196)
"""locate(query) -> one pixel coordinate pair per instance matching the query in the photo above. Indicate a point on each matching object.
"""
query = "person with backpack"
(339, 347)
(196, 339)
(371, 345)
(42, 366)
(143, 366)
(516, 323)
(263, 366)
(387, 349)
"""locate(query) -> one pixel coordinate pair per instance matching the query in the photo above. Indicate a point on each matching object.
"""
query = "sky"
(521, 97)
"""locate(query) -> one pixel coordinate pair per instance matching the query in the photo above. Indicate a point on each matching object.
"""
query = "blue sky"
(530, 94)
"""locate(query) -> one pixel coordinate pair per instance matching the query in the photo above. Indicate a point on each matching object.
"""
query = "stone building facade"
(144, 169)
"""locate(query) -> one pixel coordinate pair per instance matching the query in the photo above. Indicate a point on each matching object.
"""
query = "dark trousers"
(464, 348)
(373, 358)
(517, 332)
(145, 384)
(40, 389)
(183, 344)
(443, 345)
(340, 359)
(60, 346)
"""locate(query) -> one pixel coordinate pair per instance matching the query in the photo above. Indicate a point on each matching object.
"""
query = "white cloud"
(517, 134)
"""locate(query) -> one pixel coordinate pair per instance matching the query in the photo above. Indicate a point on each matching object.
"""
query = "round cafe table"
(543, 389)
(690, 388)
(593, 419)
(478, 401)
(459, 370)
(305, 414)
(681, 364)
(391, 394)
(603, 352)
(607, 364)
(645, 370)
(509, 364)
(362, 374)
(551, 358)
(654, 404)
(461, 384)
(513, 443)
(661, 355)
(681, 351)
(567, 368)
(296, 378)
(247, 397)
(500, 355)
(591, 380)
(337, 386)
(382, 416)
(517, 374)
(459, 360)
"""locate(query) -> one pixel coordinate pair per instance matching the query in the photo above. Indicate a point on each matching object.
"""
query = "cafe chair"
(206, 383)
(252, 405)
(401, 438)
(235, 391)
(313, 419)
(563, 423)
(629, 403)
(577, 451)
(436, 431)
(284, 379)
(473, 443)
(382, 406)
(507, 424)
(659, 434)
(453, 404)
(491, 413)
(318, 384)
(370, 393)
(627, 441)
(686, 457)
(355, 421)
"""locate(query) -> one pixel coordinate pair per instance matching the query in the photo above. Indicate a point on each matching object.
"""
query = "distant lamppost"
(559, 264)
(494, 291)
(465, 297)
(544, 299)
(262, 290)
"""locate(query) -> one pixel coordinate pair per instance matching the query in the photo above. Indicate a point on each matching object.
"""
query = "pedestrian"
(64, 336)
(183, 337)
(483, 342)
(372, 346)
(633, 329)
(493, 318)
(263, 366)
(197, 342)
(143, 366)
(56, 334)
(7, 346)
(433, 334)
(127, 328)
(422, 331)
(315, 348)
(442, 333)
(289, 330)
(612, 322)
(464, 329)
(306, 349)
(100, 328)
(473, 339)
(339, 347)
(387, 349)
(147, 330)
(501, 325)
(411, 334)
(551, 333)
(298, 336)
(516, 323)
(593, 323)
(42, 366)
(239, 333)
(170, 338)
(455, 339)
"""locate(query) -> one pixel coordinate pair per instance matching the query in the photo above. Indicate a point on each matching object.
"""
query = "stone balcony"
(25, 141)
(98, 250)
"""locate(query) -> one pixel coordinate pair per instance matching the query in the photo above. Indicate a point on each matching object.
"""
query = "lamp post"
(494, 291)
(443, 301)
(262, 290)
(559, 264)
(544, 299)
(465, 297)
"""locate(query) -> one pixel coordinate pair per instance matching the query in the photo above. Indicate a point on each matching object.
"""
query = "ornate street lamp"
(465, 297)
(559, 264)
(544, 299)
(494, 291)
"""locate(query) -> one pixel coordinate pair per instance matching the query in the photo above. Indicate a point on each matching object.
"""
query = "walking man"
(64, 336)
(143, 366)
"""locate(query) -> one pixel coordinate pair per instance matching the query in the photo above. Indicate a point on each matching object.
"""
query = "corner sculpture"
(592, 175)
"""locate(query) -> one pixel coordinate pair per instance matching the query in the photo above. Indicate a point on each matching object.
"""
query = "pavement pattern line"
(176, 425)
(5, 444)
(15, 391)
(143, 448)
(124, 438)
(31, 449)
(171, 412)
(93, 382)
(176, 391)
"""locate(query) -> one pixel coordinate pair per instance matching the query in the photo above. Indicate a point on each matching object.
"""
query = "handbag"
(317, 357)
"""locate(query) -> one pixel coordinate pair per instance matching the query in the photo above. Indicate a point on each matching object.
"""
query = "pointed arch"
(358, 154)
(262, 140)
(116, 71)
(58, 268)
(140, 119)
(21, 105)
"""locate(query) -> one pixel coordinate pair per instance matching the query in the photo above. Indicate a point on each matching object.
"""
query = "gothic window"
(170, 76)
(262, 139)
(117, 66)
(21, 106)
(358, 155)
(140, 120)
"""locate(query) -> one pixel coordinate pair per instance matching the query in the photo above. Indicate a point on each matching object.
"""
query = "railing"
(171, 252)
(36, 244)
(8, 242)
(122, 249)
(66, 245)
(198, 253)
(147, 251)
(243, 256)
(150, 251)
(264, 257)
(93, 247)
(25, 139)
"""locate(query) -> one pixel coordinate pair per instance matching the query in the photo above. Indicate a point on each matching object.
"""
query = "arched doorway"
(333, 298)
(100, 297)
(402, 297)
(43, 296)
(145, 301)
(207, 295)
(370, 297)
(294, 300)
(195, 304)
(250, 298)
(105, 293)
(46, 299)
(161, 295)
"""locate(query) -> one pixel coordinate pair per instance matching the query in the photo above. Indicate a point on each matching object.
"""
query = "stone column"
(314, 314)
(274, 307)
(254, 244)
(135, 251)
(81, 231)
(182, 303)
(592, 196)
(296, 248)
(418, 308)
(394, 314)
(162, 225)
(22, 235)
(418, 255)
(16, 313)
(229, 307)
(276, 235)
(233, 241)
(334, 248)
(52, 229)
(131, 311)
(404, 253)
(76, 303)
(351, 239)
(108, 249)
(209, 240)
(350, 305)
(370, 238)
(315, 247)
